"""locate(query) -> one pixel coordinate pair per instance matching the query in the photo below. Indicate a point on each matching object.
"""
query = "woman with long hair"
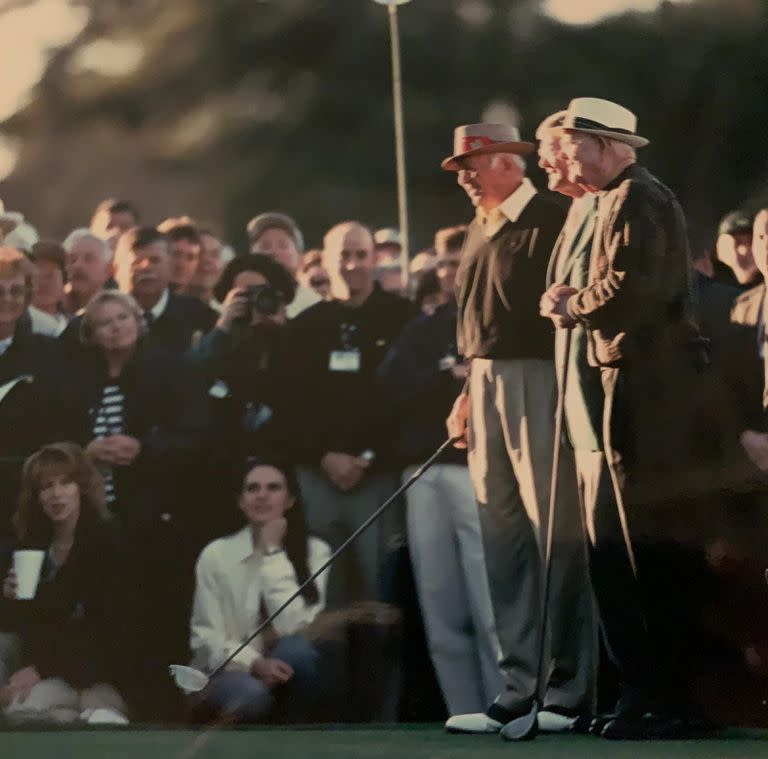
(74, 631)
(243, 577)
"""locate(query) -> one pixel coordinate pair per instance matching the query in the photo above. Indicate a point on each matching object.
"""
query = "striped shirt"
(108, 420)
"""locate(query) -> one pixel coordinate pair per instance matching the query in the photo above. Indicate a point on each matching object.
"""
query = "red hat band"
(469, 144)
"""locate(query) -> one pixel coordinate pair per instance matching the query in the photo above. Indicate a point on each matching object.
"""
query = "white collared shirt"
(509, 210)
(233, 578)
(5, 344)
(44, 324)
(159, 308)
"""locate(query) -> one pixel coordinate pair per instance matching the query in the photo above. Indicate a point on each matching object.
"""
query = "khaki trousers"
(511, 434)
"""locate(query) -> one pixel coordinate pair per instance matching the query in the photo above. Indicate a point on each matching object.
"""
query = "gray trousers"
(357, 576)
(511, 434)
(446, 548)
(333, 515)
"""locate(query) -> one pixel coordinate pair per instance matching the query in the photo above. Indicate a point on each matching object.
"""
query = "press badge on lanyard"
(347, 358)
(344, 361)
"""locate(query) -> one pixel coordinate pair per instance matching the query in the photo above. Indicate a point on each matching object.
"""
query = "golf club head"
(523, 728)
(189, 679)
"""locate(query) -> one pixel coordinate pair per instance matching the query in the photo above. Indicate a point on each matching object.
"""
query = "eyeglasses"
(14, 291)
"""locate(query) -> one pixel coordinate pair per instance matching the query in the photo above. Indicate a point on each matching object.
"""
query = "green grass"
(421, 742)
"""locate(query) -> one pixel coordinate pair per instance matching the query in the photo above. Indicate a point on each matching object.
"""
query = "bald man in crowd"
(347, 438)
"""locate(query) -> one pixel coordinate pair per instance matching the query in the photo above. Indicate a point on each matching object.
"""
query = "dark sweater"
(344, 411)
(500, 282)
(420, 388)
(79, 625)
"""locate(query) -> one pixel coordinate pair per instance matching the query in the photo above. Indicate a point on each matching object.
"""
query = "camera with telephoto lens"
(264, 299)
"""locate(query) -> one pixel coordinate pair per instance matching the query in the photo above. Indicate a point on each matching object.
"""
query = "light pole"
(397, 102)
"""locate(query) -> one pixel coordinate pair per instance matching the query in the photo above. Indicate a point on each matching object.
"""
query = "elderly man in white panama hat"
(509, 404)
(636, 309)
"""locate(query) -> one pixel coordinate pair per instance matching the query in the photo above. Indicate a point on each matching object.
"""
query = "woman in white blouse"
(245, 576)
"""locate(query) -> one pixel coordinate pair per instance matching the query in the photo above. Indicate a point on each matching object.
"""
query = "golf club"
(192, 680)
(527, 727)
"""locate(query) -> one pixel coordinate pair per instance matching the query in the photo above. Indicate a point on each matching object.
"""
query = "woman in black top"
(74, 632)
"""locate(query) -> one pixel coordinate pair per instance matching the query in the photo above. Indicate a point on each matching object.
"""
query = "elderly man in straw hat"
(509, 403)
(635, 307)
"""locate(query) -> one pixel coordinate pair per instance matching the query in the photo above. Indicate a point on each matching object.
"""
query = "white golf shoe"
(552, 722)
(478, 723)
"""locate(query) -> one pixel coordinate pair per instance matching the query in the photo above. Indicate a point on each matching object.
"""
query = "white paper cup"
(27, 565)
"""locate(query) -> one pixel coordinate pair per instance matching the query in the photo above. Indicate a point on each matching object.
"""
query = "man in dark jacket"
(343, 415)
(345, 436)
(637, 310)
(510, 404)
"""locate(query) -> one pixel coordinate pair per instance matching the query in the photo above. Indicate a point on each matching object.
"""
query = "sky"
(589, 11)
(28, 35)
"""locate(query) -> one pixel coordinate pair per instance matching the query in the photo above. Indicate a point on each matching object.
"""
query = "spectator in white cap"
(388, 245)
(18, 234)
(388, 248)
(278, 235)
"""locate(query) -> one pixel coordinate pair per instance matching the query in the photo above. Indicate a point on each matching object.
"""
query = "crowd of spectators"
(187, 432)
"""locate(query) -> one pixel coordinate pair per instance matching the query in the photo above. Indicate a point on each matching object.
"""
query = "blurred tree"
(239, 106)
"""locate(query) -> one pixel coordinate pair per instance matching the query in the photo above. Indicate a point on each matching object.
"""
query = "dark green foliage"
(242, 106)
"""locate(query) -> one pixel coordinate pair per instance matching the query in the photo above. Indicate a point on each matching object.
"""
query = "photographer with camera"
(243, 360)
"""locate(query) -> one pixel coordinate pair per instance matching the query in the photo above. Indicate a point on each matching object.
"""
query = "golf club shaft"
(363, 527)
(559, 413)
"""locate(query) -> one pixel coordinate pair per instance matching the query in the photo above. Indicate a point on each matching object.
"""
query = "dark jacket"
(344, 411)
(500, 281)
(248, 393)
(164, 408)
(80, 625)
(417, 379)
(249, 397)
(27, 411)
(638, 301)
(748, 375)
(184, 318)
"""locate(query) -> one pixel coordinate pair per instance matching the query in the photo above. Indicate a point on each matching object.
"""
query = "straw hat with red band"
(479, 139)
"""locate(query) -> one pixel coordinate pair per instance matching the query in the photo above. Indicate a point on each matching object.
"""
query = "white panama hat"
(603, 118)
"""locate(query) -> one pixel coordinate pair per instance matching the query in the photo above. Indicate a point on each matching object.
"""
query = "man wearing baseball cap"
(509, 402)
(636, 309)
(735, 263)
